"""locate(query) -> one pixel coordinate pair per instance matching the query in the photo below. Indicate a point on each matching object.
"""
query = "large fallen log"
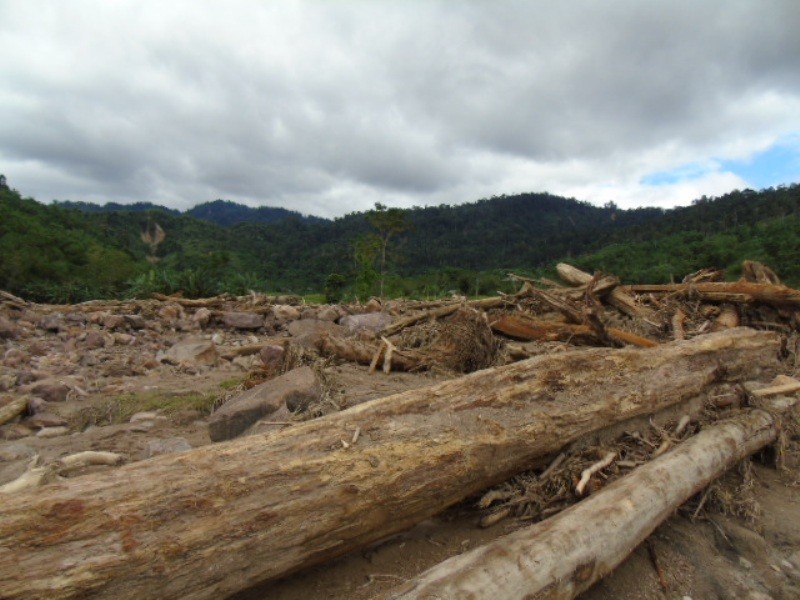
(617, 298)
(536, 330)
(220, 518)
(564, 555)
(741, 292)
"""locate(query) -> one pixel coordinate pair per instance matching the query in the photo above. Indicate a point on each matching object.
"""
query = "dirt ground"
(716, 555)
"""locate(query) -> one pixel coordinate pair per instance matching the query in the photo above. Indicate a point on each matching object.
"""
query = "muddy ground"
(108, 384)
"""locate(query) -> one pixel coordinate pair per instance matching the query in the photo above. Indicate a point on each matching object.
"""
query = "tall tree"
(388, 222)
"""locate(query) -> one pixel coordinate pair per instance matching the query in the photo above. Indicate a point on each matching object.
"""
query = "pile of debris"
(549, 399)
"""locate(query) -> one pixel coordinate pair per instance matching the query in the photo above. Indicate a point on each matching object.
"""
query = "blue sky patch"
(778, 164)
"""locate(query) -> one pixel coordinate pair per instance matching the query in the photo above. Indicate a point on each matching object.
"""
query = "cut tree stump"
(220, 518)
(563, 556)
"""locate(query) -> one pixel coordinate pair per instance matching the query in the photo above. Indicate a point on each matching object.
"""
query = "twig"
(356, 433)
(654, 558)
(586, 475)
(553, 466)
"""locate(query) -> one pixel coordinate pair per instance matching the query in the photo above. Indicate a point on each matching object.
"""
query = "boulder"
(191, 350)
(328, 313)
(52, 322)
(76, 317)
(374, 305)
(51, 392)
(285, 313)
(297, 388)
(94, 340)
(272, 357)
(307, 332)
(373, 322)
(201, 316)
(45, 419)
(114, 322)
(8, 329)
(242, 320)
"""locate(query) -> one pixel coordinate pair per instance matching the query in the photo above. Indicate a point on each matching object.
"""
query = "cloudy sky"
(328, 107)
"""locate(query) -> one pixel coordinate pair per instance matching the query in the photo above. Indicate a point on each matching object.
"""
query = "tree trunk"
(564, 555)
(220, 518)
(741, 292)
(617, 298)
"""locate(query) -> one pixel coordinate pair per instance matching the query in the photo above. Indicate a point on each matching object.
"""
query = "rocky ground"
(151, 377)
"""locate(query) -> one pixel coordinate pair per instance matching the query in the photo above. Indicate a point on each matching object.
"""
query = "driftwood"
(364, 353)
(214, 520)
(738, 292)
(564, 555)
(617, 298)
(448, 309)
(13, 409)
(529, 329)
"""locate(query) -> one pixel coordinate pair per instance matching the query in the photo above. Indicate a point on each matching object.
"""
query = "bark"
(443, 311)
(740, 292)
(564, 555)
(363, 353)
(217, 519)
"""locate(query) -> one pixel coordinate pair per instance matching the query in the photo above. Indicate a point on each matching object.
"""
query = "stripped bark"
(217, 519)
(563, 556)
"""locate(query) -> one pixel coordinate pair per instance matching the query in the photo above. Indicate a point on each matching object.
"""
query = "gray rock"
(94, 340)
(76, 317)
(297, 388)
(373, 322)
(285, 313)
(242, 320)
(8, 329)
(328, 313)
(201, 316)
(52, 322)
(114, 322)
(36, 405)
(272, 357)
(51, 392)
(135, 321)
(307, 332)
(192, 350)
(44, 419)
(167, 446)
(15, 451)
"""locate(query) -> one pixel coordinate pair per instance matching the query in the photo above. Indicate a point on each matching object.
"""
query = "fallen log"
(564, 555)
(617, 298)
(448, 309)
(13, 409)
(535, 330)
(740, 292)
(217, 519)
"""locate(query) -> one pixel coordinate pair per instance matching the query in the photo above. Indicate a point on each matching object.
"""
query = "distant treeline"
(72, 251)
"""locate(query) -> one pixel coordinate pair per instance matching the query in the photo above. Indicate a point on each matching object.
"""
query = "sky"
(327, 107)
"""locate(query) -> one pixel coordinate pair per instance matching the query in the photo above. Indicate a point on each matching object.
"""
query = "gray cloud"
(329, 107)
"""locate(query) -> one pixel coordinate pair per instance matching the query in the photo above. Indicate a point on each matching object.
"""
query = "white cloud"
(327, 108)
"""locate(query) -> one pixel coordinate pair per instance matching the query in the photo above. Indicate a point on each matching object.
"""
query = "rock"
(297, 388)
(135, 321)
(185, 417)
(51, 392)
(36, 405)
(285, 313)
(15, 451)
(308, 313)
(744, 563)
(76, 317)
(218, 339)
(94, 340)
(51, 432)
(39, 348)
(52, 322)
(272, 357)
(170, 312)
(167, 446)
(8, 329)
(144, 416)
(14, 431)
(14, 357)
(43, 420)
(242, 320)
(328, 313)
(373, 322)
(306, 333)
(114, 322)
(201, 316)
(124, 339)
(191, 350)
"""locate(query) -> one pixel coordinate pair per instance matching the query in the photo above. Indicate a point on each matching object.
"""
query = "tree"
(388, 222)
(365, 251)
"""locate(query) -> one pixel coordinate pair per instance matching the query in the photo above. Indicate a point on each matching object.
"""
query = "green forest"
(75, 251)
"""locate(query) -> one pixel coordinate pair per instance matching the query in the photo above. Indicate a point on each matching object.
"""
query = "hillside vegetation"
(72, 251)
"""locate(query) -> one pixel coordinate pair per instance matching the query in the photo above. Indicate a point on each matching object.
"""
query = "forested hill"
(220, 212)
(71, 251)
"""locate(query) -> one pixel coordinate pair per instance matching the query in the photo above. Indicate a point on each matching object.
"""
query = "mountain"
(75, 251)
(219, 212)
